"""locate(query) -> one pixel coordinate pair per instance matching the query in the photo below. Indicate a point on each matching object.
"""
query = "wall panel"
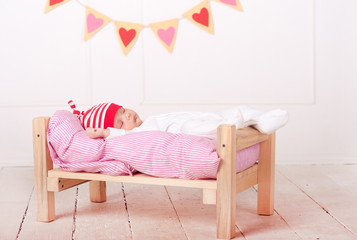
(43, 58)
(264, 55)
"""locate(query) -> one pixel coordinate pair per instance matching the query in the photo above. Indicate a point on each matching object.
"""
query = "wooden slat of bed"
(60, 184)
(249, 136)
(244, 180)
(56, 177)
(136, 178)
(247, 178)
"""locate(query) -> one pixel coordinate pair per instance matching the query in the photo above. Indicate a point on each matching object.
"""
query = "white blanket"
(205, 123)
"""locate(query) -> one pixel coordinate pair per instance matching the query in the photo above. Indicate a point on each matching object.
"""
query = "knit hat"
(99, 116)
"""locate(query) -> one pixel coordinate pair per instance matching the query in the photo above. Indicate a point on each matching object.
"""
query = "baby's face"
(126, 119)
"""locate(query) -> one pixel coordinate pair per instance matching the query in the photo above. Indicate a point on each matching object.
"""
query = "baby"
(98, 119)
(121, 121)
(124, 118)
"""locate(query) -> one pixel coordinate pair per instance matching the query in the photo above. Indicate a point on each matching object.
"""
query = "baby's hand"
(97, 132)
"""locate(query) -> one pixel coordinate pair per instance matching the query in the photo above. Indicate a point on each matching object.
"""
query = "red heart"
(127, 36)
(53, 2)
(202, 17)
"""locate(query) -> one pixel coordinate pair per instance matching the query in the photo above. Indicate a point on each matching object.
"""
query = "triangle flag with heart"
(95, 21)
(128, 33)
(52, 4)
(201, 16)
(232, 3)
(166, 32)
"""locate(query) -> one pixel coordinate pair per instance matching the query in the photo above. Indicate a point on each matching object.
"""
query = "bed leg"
(226, 182)
(97, 191)
(266, 176)
(209, 196)
(45, 201)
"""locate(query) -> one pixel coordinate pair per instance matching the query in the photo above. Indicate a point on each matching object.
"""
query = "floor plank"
(198, 220)
(61, 228)
(343, 175)
(107, 220)
(322, 202)
(16, 186)
(254, 226)
(151, 213)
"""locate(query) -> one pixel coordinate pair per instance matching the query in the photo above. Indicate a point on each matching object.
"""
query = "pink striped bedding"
(154, 153)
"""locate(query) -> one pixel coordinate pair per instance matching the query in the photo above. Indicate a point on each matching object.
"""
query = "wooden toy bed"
(221, 192)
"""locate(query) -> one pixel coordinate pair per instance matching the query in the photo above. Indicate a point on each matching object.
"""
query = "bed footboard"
(229, 183)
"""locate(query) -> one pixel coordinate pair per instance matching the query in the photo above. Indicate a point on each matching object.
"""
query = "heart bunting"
(166, 32)
(52, 4)
(127, 34)
(201, 16)
(95, 21)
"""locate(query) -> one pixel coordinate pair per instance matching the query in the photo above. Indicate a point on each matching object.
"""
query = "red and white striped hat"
(99, 116)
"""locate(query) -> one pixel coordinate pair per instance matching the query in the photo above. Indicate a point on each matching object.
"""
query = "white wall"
(299, 55)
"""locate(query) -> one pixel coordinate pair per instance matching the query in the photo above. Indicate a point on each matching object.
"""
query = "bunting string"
(128, 32)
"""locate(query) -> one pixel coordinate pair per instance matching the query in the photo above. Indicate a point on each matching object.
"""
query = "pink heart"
(166, 35)
(93, 23)
(230, 2)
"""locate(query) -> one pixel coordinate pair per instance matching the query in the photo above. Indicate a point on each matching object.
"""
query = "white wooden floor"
(312, 202)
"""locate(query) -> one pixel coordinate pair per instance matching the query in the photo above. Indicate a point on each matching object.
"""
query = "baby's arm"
(97, 132)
